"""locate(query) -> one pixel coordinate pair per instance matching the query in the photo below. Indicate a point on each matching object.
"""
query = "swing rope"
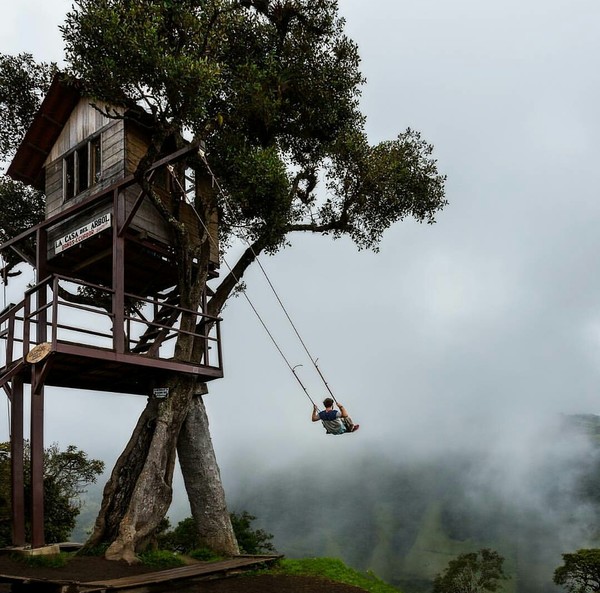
(292, 324)
(237, 280)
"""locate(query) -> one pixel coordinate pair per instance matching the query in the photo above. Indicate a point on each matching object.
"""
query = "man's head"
(328, 402)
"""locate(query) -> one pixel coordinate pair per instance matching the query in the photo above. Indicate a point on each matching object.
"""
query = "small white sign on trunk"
(160, 392)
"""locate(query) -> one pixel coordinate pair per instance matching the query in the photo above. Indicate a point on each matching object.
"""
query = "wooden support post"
(37, 464)
(37, 402)
(17, 463)
(118, 271)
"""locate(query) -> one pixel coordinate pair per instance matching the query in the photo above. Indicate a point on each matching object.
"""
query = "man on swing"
(334, 421)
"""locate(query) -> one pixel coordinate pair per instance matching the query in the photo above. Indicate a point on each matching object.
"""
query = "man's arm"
(315, 414)
(342, 411)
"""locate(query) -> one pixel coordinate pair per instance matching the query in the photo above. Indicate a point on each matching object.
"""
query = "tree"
(251, 541)
(23, 84)
(66, 476)
(471, 573)
(580, 572)
(272, 88)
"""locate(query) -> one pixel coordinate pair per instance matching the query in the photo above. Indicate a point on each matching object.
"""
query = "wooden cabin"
(74, 150)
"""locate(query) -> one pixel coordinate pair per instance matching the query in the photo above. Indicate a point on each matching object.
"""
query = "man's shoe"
(355, 427)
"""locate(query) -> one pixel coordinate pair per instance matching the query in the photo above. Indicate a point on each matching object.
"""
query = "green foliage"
(184, 538)
(273, 89)
(23, 84)
(580, 572)
(66, 474)
(5, 500)
(335, 570)
(60, 514)
(204, 554)
(151, 53)
(44, 560)
(21, 207)
(161, 559)
(250, 541)
(471, 573)
(71, 469)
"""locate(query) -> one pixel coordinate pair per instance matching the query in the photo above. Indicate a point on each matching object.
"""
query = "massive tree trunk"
(152, 493)
(118, 490)
(203, 482)
(139, 491)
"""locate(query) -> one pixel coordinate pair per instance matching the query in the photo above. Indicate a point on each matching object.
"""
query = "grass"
(205, 555)
(161, 559)
(335, 570)
(325, 568)
(45, 560)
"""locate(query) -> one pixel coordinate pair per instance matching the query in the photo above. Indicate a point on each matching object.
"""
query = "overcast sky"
(454, 332)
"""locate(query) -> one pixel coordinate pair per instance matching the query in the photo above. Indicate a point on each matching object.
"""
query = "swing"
(334, 422)
(337, 424)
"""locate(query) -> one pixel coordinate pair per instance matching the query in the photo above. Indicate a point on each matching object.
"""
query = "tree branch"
(230, 281)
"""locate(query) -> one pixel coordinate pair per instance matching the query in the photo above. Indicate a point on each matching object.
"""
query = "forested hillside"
(405, 520)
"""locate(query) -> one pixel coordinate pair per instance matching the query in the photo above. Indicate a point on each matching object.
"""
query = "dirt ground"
(83, 569)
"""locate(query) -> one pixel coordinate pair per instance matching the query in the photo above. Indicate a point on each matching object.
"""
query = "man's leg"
(350, 426)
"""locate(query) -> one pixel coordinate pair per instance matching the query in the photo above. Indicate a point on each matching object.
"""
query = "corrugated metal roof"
(28, 163)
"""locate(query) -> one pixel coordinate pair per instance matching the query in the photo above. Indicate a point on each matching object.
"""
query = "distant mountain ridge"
(406, 520)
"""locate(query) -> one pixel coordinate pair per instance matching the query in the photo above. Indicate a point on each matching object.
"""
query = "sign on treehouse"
(84, 232)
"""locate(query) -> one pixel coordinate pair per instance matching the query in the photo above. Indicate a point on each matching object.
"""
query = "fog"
(468, 339)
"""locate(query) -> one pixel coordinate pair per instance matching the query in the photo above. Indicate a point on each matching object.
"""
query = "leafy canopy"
(23, 84)
(66, 475)
(471, 573)
(580, 572)
(272, 87)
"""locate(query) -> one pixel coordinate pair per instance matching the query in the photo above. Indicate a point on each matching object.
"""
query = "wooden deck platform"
(151, 582)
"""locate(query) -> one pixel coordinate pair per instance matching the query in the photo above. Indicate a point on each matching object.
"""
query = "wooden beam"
(37, 466)
(118, 279)
(17, 463)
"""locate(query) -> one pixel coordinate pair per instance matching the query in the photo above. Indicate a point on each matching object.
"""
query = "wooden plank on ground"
(152, 580)
(143, 583)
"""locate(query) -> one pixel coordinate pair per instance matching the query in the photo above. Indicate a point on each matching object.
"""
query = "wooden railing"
(63, 310)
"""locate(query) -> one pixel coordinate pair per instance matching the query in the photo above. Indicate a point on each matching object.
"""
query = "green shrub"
(250, 541)
(184, 538)
(204, 554)
(161, 559)
(44, 560)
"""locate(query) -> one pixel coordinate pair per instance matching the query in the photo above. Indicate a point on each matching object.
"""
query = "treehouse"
(107, 242)
(105, 311)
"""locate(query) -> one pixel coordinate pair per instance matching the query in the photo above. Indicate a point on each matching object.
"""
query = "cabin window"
(82, 168)
(162, 179)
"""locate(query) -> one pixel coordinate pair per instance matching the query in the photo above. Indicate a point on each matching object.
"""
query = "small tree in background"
(471, 573)
(580, 572)
(250, 541)
(66, 476)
